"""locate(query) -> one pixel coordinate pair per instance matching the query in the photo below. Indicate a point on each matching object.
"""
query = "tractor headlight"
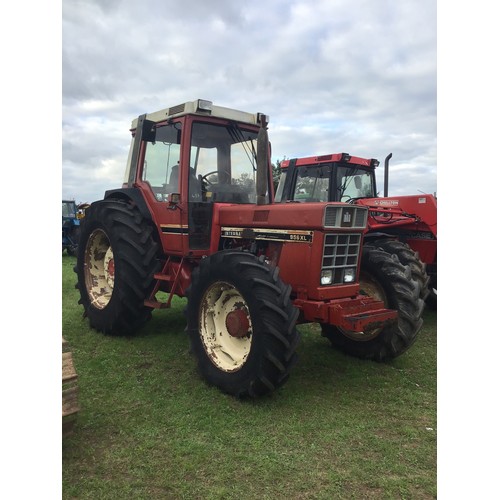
(204, 105)
(349, 275)
(326, 277)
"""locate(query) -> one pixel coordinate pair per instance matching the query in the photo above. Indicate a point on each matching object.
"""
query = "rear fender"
(377, 235)
(132, 195)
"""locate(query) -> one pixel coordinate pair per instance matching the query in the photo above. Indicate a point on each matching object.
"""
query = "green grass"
(149, 427)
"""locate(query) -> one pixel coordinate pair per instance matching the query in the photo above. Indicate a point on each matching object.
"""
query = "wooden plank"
(70, 401)
(70, 406)
(68, 369)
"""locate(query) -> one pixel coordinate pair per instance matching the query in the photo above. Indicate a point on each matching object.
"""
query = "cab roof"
(201, 107)
(337, 157)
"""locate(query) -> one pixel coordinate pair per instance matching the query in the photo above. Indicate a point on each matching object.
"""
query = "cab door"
(160, 178)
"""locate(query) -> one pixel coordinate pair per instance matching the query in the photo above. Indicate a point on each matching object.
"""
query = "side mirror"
(148, 131)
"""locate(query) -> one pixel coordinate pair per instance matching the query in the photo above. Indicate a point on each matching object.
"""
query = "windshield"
(354, 182)
(223, 164)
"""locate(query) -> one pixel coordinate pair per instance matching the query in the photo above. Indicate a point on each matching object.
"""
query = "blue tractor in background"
(70, 227)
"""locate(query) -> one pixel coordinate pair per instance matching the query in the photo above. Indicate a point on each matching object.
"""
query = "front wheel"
(384, 278)
(241, 323)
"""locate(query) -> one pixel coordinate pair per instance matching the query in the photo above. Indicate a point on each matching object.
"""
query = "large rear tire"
(241, 323)
(115, 267)
(383, 277)
(408, 257)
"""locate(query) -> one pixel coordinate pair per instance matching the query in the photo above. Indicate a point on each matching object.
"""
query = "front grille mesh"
(340, 251)
(360, 218)
(347, 216)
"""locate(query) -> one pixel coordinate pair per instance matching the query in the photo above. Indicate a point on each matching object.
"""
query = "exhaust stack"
(262, 161)
(386, 175)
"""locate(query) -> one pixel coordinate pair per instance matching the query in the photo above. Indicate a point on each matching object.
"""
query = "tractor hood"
(306, 216)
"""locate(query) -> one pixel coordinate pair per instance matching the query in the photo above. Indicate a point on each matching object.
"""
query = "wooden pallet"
(70, 406)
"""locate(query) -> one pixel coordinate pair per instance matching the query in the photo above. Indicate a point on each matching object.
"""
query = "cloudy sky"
(355, 76)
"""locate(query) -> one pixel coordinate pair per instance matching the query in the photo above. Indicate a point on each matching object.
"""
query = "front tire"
(384, 278)
(115, 267)
(241, 323)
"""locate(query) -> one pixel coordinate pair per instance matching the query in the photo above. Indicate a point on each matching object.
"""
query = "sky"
(334, 76)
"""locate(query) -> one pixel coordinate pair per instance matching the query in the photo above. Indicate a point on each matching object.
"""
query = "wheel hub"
(237, 323)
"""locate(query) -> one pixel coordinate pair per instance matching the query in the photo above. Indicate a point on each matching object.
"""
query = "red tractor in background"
(405, 226)
(195, 217)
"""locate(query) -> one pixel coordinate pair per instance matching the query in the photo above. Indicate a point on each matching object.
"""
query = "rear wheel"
(384, 278)
(408, 257)
(115, 267)
(241, 324)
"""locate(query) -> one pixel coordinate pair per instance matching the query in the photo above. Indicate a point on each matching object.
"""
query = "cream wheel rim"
(225, 326)
(99, 269)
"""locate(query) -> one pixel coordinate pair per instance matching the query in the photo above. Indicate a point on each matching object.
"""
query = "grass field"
(149, 427)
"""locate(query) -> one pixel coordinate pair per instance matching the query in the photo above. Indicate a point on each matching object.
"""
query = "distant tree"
(245, 182)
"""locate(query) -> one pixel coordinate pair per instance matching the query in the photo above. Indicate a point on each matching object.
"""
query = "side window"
(161, 163)
(281, 186)
(312, 184)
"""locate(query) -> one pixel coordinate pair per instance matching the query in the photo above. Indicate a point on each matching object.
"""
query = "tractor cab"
(334, 177)
(186, 161)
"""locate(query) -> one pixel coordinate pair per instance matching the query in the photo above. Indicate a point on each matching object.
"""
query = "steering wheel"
(205, 177)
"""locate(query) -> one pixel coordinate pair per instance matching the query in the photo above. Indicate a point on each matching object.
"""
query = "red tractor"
(405, 226)
(195, 217)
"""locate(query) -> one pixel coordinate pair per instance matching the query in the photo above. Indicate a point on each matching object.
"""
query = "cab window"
(161, 163)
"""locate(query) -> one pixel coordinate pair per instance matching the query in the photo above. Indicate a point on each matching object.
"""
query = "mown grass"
(149, 427)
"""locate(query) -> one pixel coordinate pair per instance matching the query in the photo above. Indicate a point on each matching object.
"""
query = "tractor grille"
(345, 216)
(341, 251)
